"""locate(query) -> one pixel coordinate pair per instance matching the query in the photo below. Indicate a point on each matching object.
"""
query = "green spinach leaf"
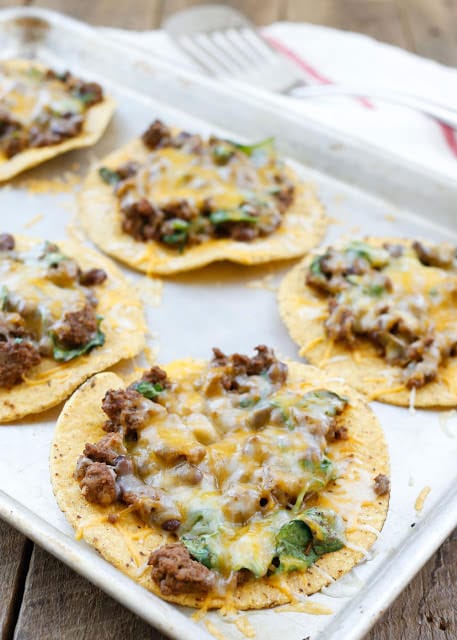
(148, 389)
(61, 354)
(109, 176)
(234, 215)
(294, 547)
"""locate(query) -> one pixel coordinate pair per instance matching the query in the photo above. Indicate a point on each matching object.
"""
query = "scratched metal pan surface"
(364, 190)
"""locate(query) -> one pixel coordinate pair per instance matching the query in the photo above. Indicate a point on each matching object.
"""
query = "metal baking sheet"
(364, 190)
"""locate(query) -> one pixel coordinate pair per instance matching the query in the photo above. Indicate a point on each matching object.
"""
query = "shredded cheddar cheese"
(33, 220)
(313, 343)
(421, 498)
(214, 631)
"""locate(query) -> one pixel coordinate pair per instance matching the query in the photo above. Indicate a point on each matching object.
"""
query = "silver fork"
(225, 44)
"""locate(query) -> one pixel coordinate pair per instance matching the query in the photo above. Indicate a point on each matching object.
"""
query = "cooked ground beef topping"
(65, 100)
(56, 319)
(443, 255)
(368, 300)
(17, 356)
(49, 130)
(98, 484)
(231, 190)
(204, 460)
(236, 366)
(6, 242)
(156, 375)
(381, 485)
(92, 277)
(127, 408)
(76, 328)
(157, 135)
(175, 572)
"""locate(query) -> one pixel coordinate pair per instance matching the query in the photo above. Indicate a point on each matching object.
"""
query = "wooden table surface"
(41, 598)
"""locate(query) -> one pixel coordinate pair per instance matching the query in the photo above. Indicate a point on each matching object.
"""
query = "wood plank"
(59, 604)
(259, 11)
(376, 18)
(4, 4)
(426, 609)
(433, 27)
(134, 14)
(15, 552)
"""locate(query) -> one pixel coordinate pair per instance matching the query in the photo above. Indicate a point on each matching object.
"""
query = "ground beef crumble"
(7, 242)
(400, 331)
(98, 484)
(124, 408)
(381, 485)
(49, 128)
(92, 277)
(16, 358)
(235, 365)
(156, 375)
(175, 572)
(181, 223)
(77, 327)
(25, 334)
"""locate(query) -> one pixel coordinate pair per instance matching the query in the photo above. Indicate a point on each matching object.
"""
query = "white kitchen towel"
(328, 55)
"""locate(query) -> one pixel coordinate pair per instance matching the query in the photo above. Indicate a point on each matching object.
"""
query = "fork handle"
(438, 111)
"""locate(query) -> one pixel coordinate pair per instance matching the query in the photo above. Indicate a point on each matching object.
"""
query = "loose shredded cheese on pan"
(244, 626)
(34, 220)
(313, 608)
(412, 400)
(201, 613)
(214, 631)
(444, 417)
(421, 498)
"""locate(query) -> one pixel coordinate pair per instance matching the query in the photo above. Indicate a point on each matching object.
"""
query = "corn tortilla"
(123, 325)
(304, 311)
(96, 119)
(128, 544)
(303, 226)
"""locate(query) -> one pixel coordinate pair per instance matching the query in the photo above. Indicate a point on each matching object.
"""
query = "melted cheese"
(217, 465)
(25, 93)
(192, 175)
(27, 282)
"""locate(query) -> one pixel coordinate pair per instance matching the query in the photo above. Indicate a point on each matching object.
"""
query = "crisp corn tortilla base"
(303, 226)
(123, 325)
(96, 119)
(128, 545)
(304, 311)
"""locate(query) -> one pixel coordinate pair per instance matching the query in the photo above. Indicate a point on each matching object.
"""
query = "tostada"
(66, 312)
(381, 313)
(243, 479)
(44, 113)
(171, 201)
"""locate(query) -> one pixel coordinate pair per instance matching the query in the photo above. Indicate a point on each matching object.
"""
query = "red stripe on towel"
(310, 70)
(450, 135)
